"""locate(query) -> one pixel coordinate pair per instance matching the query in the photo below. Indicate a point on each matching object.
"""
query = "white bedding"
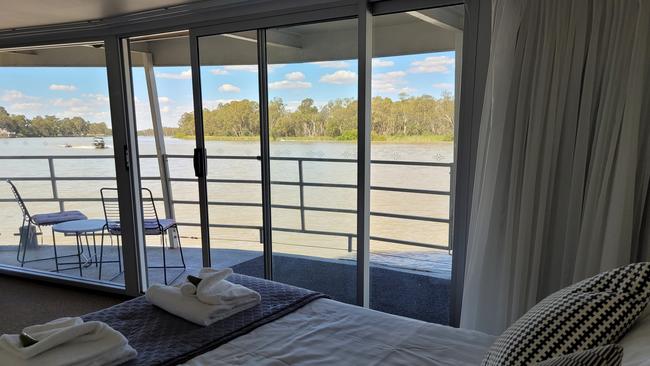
(327, 332)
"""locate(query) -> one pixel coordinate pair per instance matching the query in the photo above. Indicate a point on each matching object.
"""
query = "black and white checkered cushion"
(611, 355)
(592, 313)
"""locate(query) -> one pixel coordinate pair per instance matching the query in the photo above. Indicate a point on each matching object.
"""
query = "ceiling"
(28, 13)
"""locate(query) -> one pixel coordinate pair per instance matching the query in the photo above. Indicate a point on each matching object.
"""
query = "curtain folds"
(563, 164)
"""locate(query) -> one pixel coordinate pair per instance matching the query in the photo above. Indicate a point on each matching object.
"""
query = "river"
(284, 217)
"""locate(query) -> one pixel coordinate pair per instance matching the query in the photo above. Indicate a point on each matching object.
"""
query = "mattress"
(327, 332)
(164, 339)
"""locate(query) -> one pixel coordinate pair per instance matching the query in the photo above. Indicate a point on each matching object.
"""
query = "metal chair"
(152, 225)
(38, 220)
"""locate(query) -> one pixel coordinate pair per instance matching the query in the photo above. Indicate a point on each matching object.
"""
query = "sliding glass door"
(308, 118)
(275, 124)
(313, 132)
(415, 86)
(162, 99)
(231, 133)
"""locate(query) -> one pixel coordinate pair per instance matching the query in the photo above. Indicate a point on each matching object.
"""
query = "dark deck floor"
(415, 294)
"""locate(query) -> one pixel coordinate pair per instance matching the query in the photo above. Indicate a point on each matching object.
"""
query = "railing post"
(159, 138)
(302, 195)
(55, 192)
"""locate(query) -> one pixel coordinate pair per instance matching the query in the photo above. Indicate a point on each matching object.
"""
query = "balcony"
(421, 270)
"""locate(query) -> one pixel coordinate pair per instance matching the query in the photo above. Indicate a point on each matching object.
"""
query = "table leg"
(56, 256)
(89, 257)
(79, 252)
(101, 256)
(95, 248)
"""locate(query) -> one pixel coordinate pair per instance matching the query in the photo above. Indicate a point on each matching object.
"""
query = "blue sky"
(68, 92)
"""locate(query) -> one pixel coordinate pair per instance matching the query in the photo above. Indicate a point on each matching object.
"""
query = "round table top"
(80, 226)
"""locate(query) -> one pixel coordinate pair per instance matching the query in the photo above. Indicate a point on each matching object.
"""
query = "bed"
(294, 326)
(327, 332)
(291, 326)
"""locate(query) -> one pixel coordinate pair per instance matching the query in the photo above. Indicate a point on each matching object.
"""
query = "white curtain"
(563, 162)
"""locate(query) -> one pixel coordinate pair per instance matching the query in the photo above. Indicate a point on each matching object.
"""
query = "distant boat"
(67, 145)
(99, 143)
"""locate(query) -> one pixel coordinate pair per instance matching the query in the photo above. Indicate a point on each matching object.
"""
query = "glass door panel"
(56, 148)
(313, 127)
(231, 123)
(414, 92)
(162, 88)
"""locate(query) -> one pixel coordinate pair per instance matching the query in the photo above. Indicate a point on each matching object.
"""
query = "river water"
(284, 217)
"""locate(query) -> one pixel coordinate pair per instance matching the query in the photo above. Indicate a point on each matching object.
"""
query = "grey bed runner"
(164, 339)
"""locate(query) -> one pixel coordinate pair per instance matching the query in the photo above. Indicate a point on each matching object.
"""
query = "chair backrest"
(19, 200)
(149, 213)
(112, 209)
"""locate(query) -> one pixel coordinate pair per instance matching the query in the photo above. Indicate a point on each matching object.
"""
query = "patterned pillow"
(611, 355)
(592, 313)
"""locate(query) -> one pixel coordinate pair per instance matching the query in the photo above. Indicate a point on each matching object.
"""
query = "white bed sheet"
(327, 332)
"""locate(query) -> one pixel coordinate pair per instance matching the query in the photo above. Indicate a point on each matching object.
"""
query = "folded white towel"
(170, 299)
(67, 341)
(224, 293)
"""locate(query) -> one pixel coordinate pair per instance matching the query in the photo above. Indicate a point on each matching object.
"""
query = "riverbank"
(419, 139)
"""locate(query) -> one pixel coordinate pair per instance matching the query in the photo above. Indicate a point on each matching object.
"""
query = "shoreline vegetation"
(12, 125)
(420, 139)
(421, 119)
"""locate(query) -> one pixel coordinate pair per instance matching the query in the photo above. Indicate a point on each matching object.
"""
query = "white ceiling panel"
(28, 13)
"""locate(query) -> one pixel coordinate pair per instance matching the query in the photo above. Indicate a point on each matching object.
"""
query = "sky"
(70, 92)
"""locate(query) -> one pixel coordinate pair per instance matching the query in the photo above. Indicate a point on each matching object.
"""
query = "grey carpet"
(26, 302)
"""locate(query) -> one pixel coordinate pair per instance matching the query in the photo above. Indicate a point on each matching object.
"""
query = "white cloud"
(432, 64)
(97, 98)
(229, 88)
(391, 82)
(377, 62)
(295, 76)
(340, 77)
(289, 84)
(445, 86)
(62, 87)
(332, 64)
(164, 100)
(292, 80)
(219, 72)
(165, 109)
(24, 106)
(212, 104)
(67, 103)
(186, 74)
(15, 96)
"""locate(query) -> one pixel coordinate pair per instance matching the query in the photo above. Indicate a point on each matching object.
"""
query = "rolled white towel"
(215, 274)
(225, 293)
(67, 341)
(188, 289)
(170, 299)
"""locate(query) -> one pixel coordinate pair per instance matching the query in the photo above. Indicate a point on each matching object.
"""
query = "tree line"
(408, 116)
(41, 126)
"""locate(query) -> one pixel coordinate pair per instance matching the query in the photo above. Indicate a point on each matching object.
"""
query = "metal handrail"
(301, 184)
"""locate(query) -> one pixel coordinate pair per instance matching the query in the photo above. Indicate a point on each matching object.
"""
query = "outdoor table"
(79, 228)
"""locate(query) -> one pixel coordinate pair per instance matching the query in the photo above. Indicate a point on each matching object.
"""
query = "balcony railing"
(300, 183)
